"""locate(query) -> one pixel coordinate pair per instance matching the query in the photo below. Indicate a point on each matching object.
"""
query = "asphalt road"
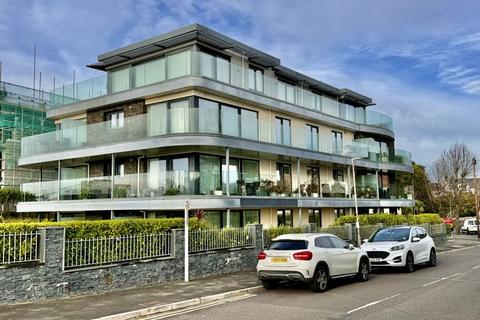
(449, 291)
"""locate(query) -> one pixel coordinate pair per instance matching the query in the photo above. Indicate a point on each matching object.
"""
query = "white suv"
(469, 226)
(400, 247)
(311, 258)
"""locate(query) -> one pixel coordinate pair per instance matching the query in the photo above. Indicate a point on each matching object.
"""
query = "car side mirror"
(364, 240)
(351, 246)
(415, 239)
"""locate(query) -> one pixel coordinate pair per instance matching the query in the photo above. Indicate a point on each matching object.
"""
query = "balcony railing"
(189, 183)
(190, 120)
(236, 74)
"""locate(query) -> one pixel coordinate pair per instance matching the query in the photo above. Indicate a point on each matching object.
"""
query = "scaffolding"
(22, 113)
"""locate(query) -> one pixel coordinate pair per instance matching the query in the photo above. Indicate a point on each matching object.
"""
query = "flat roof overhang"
(179, 36)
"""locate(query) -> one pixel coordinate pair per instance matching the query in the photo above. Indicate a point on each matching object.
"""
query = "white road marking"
(476, 267)
(372, 303)
(444, 278)
(454, 250)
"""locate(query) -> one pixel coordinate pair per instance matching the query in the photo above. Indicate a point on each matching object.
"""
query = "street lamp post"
(474, 163)
(357, 223)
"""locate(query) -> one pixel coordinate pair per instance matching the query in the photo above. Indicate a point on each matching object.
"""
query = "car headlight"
(396, 248)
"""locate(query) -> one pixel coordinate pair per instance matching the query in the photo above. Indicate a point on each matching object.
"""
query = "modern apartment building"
(195, 115)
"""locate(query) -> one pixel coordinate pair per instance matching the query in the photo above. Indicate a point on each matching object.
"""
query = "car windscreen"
(288, 245)
(399, 234)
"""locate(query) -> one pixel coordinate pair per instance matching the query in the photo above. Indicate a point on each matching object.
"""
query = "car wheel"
(409, 263)
(320, 279)
(433, 258)
(269, 284)
(363, 270)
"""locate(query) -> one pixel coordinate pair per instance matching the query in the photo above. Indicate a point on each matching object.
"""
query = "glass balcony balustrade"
(209, 183)
(234, 73)
(185, 120)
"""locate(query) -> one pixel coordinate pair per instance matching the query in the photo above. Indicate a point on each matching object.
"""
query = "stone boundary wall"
(48, 280)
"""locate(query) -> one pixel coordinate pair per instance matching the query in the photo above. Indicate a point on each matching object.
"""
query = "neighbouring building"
(22, 114)
(195, 115)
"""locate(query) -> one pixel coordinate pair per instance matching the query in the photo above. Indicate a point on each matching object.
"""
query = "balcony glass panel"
(207, 63)
(330, 106)
(223, 69)
(149, 72)
(179, 119)
(120, 80)
(157, 117)
(178, 64)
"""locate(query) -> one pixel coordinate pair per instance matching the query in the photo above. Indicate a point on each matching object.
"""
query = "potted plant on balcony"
(172, 191)
(218, 191)
(85, 192)
(280, 189)
(266, 187)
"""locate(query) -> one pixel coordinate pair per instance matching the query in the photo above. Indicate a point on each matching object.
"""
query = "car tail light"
(261, 255)
(303, 255)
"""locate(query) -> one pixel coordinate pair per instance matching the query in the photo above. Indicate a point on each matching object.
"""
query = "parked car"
(469, 226)
(400, 247)
(310, 258)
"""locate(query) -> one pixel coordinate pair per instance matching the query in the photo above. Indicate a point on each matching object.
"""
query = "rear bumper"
(282, 275)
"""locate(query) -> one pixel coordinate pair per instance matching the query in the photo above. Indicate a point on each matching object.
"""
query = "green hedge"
(107, 228)
(390, 219)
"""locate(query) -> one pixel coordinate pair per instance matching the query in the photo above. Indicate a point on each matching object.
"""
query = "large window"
(255, 79)
(169, 176)
(208, 116)
(237, 218)
(249, 121)
(215, 67)
(230, 123)
(209, 174)
(179, 116)
(315, 216)
(285, 217)
(119, 80)
(282, 131)
(337, 142)
(313, 180)
(311, 137)
(284, 175)
(233, 176)
(115, 119)
(250, 177)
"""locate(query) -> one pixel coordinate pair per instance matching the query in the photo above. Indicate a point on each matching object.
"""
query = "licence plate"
(279, 260)
(376, 259)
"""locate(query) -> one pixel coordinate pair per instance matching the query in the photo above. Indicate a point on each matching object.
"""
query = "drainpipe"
(227, 164)
(59, 177)
(112, 172)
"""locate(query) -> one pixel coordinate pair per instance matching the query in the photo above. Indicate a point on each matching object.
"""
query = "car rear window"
(288, 245)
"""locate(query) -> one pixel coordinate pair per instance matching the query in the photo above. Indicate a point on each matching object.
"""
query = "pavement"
(132, 303)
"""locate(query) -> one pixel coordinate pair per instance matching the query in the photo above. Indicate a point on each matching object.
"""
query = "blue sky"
(418, 59)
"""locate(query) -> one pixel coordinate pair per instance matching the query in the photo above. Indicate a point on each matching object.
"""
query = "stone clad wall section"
(48, 279)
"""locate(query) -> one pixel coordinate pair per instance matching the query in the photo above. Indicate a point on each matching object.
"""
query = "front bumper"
(394, 259)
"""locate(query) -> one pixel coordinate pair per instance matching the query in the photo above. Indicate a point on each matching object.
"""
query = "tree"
(449, 173)
(422, 188)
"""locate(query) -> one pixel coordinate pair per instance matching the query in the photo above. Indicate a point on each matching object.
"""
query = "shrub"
(107, 228)
(390, 219)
